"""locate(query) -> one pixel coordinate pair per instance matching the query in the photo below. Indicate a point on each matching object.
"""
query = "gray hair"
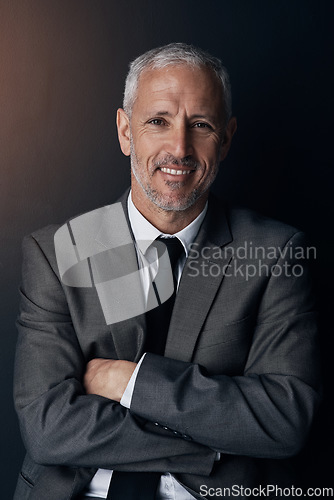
(173, 54)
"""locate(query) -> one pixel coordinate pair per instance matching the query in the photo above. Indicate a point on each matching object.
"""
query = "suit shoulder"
(47, 233)
(247, 224)
(42, 238)
(40, 244)
(83, 225)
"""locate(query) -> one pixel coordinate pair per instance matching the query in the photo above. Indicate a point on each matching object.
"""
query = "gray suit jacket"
(239, 375)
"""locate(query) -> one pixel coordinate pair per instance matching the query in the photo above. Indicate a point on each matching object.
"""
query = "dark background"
(62, 67)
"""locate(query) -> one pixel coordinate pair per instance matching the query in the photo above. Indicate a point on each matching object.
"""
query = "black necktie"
(143, 485)
(158, 319)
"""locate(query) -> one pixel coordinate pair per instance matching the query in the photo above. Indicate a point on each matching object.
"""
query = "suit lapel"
(128, 335)
(203, 273)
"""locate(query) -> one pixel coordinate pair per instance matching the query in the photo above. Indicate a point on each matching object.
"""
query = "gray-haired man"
(121, 397)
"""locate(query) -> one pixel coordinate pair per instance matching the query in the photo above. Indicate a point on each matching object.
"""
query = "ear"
(123, 129)
(229, 133)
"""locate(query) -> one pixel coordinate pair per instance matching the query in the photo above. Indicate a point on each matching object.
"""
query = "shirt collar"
(145, 233)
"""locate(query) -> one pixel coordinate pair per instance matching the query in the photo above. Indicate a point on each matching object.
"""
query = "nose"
(180, 143)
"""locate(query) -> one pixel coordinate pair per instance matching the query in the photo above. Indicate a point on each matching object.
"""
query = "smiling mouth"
(174, 171)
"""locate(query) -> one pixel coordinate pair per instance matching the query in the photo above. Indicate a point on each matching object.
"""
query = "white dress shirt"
(145, 234)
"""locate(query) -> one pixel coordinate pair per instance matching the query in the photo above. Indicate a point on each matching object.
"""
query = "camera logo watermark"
(96, 250)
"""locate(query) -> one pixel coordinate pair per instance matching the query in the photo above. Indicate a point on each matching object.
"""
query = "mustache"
(179, 162)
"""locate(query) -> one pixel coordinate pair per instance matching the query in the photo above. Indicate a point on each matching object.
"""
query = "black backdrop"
(62, 67)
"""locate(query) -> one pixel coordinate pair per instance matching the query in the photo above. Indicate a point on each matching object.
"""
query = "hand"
(108, 377)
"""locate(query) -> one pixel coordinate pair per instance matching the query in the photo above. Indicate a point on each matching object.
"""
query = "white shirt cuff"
(127, 394)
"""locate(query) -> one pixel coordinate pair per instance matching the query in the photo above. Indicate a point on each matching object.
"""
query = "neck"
(167, 221)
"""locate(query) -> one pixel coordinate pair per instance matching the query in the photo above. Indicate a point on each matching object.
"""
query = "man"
(123, 392)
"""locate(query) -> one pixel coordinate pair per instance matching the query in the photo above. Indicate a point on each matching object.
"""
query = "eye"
(156, 121)
(202, 125)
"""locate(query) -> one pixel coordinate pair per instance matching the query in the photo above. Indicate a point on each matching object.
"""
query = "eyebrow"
(161, 113)
(205, 117)
(192, 117)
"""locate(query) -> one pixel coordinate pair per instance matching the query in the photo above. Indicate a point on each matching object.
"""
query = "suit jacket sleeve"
(60, 424)
(266, 411)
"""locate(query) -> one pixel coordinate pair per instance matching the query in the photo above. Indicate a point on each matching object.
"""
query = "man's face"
(175, 136)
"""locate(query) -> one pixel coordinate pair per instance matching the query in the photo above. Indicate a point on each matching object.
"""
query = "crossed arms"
(68, 405)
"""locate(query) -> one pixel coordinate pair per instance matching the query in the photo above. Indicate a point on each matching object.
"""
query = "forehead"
(179, 84)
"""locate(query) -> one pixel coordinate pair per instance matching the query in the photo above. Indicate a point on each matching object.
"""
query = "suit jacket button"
(186, 437)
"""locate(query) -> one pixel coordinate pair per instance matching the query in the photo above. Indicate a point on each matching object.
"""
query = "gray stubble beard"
(153, 195)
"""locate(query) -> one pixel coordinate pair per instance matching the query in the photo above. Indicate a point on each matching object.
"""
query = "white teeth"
(174, 172)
